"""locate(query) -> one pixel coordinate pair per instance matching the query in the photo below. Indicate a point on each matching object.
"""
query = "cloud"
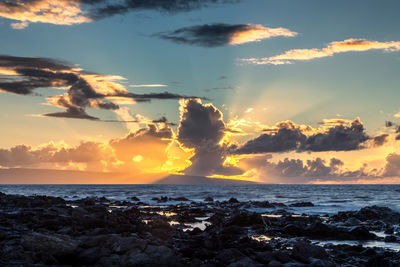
(71, 12)
(380, 140)
(202, 129)
(302, 171)
(147, 85)
(150, 145)
(285, 139)
(287, 136)
(24, 75)
(169, 6)
(337, 138)
(219, 88)
(213, 35)
(26, 156)
(61, 12)
(349, 45)
(392, 167)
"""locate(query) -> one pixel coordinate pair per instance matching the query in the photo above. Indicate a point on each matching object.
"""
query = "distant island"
(198, 180)
(46, 176)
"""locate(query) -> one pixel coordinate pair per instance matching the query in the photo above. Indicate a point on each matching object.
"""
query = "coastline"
(41, 230)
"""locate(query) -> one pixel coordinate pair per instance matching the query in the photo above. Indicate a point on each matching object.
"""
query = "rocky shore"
(42, 230)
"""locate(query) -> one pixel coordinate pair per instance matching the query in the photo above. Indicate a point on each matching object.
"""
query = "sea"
(327, 199)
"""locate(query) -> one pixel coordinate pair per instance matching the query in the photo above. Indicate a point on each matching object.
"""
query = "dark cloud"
(70, 12)
(289, 137)
(337, 138)
(164, 120)
(285, 139)
(32, 62)
(111, 8)
(208, 35)
(396, 126)
(380, 139)
(388, 124)
(392, 167)
(219, 88)
(202, 128)
(219, 34)
(299, 171)
(23, 76)
(72, 113)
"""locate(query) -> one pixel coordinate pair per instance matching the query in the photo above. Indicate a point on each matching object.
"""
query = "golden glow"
(105, 84)
(349, 45)
(61, 12)
(137, 158)
(256, 33)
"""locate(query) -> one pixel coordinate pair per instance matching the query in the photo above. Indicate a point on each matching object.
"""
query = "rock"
(265, 257)
(134, 198)
(390, 238)
(303, 251)
(282, 256)
(371, 213)
(274, 263)
(361, 233)
(209, 199)
(92, 255)
(163, 199)
(244, 262)
(180, 199)
(244, 218)
(302, 204)
(56, 246)
(233, 200)
(226, 256)
(161, 254)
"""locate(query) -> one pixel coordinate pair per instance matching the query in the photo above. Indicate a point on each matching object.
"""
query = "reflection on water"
(260, 238)
(167, 213)
(201, 225)
(368, 244)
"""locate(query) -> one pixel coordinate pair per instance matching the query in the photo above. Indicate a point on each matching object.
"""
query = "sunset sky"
(269, 91)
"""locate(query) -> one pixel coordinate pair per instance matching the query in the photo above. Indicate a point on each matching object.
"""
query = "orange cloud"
(256, 33)
(349, 45)
(60, 12)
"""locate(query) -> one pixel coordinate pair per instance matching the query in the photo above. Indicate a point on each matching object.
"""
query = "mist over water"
(326, 198)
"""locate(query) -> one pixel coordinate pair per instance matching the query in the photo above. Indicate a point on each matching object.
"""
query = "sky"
(269, 91)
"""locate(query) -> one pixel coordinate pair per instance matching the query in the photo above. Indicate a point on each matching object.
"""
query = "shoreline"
(42, 230)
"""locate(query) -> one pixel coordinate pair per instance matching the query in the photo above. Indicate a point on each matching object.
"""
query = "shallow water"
(368, 244)
(327, 198)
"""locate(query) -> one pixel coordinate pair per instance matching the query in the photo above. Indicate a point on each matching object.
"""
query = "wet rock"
(303, 252)
(302, 204)
(371, 213)
(244, 218)
(180, 199)
(233, 200)
(361, 233)
(209, 199)
(134, 198)
(391, 238)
